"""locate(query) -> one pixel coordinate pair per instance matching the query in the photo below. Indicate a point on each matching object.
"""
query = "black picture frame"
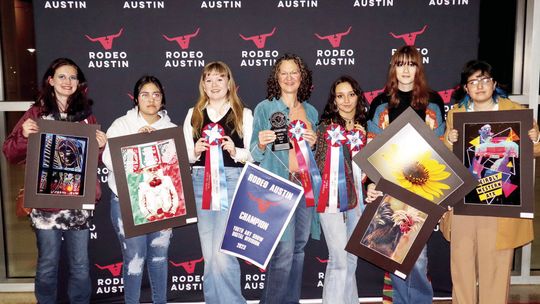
(157, 167)
(61, 167)
(392, 232)
(405, 148)
(495, 147)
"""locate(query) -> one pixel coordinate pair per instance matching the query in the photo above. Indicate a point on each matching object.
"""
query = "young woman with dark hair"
(346, 107)
(147, 115)
(482, 247)
(62, 97)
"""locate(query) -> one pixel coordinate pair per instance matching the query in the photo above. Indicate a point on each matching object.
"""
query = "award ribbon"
(215, 185)
(309, 173)
(356, 140)
(333, 196)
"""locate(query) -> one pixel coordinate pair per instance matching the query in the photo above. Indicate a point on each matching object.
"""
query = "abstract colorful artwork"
(497, 151)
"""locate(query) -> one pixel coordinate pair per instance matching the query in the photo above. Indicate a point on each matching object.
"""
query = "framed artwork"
(61, 167)
(408, 154)
(392, 232)
(496, 149)
(153, 179)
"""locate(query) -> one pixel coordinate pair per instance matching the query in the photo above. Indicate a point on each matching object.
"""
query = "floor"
(519, 294)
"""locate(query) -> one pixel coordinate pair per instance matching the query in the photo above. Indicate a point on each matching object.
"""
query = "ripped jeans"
(152, 248)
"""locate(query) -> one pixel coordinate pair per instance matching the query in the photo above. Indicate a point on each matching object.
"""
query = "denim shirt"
(261, 121)
(278, 161)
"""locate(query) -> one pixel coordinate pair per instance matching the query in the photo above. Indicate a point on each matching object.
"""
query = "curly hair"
(420, 93)
(236, 120)
(304, 91)
(78, 104)
(331, 112)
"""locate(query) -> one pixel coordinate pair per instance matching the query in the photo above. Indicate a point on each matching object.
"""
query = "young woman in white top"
(218, 103)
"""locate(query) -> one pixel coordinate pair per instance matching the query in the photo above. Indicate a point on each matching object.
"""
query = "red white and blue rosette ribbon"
(356, 140)
(310, 176)
(215, 185)
(333, 196)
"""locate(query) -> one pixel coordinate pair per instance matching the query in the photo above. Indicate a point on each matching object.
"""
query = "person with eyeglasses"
(482, 247)
(218, 103)
(62, 97)
(147, 115)
(288, 91)
(406, 86)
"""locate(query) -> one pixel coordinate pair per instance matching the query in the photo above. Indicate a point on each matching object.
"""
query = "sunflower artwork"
(409, 161)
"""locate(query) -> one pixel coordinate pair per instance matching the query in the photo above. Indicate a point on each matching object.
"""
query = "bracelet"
(537, 140)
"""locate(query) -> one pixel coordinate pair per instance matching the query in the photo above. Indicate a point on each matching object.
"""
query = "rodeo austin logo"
(107, 58)
(221, 4)
(183, 58)
(335, 55)
(254, 280)
(259, 57)
(189, 281)
(410, 40)
(113, 284)
(320, 274)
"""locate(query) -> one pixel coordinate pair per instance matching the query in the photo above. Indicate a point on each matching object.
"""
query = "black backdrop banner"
(115, 42)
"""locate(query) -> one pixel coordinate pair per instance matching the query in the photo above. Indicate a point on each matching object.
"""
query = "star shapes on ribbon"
(213, 133)
(335, 135)
(297, 128)
(355, 140)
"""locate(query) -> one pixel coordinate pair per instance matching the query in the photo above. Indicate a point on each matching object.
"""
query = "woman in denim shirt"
(289, 87)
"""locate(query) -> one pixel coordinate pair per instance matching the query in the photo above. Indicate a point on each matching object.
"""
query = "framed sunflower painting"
(496, 149)
(392, 232)
(408, 154)
(61, 167)
(153, 180)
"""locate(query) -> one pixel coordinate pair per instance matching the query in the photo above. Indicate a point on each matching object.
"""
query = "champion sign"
(107, 58)
(335, 55)
(183, 58)
(259, 57)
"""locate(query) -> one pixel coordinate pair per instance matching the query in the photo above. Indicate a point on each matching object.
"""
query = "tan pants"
(475, 259)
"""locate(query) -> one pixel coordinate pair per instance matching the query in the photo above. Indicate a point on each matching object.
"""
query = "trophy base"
(282, 146)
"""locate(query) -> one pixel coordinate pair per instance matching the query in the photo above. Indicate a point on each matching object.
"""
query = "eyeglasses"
(293, 74)
(147, 95)
(406, 63)
(484, 81)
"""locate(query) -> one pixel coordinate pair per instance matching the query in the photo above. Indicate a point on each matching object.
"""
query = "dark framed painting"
(496, 149)
(153, 180)
(409, 154)
(61, 167)
(392, 232)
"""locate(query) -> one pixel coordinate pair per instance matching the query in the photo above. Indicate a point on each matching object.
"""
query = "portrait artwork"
(61, 169)
(153, 180)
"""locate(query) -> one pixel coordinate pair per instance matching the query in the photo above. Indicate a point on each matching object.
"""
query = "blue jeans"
(152, 248)
(283, 282)
(49, 242)
(221, 271)
(340, 276)
(416, 289)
